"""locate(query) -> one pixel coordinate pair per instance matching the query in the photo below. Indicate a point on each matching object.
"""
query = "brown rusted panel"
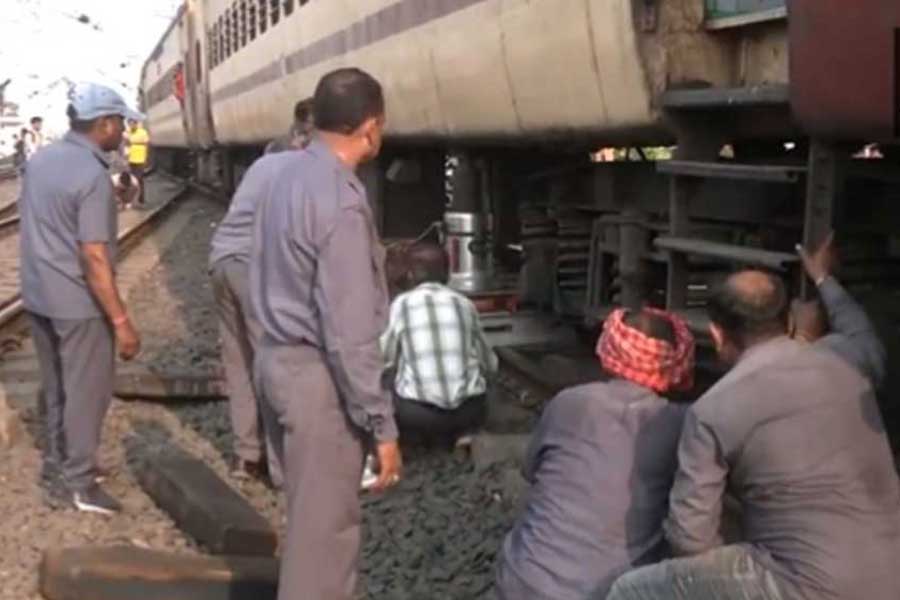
(844, 71)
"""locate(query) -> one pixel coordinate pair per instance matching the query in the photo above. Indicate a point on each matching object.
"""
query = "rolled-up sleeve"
(350, 303)
(96, 211)
(695, 510)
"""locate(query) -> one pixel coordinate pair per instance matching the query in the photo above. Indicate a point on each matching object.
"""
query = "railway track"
(133, 228)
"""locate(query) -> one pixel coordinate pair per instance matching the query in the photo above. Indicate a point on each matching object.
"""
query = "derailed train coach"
(496, 108)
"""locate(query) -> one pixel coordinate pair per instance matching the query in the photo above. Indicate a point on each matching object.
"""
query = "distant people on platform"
(435, 348)
(317, 287)
(835, 320)
(20, 150)
(601, 464)
(35, 139)
(240, 332)
(137, 147)
(794, 434)
(77, 316)
(300, 133)
(127, 189)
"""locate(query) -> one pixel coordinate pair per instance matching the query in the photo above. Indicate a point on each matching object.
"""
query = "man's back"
(443, 355)
(801, 437)
(601, 464)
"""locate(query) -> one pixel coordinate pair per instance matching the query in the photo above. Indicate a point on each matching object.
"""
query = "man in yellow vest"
(138, 144)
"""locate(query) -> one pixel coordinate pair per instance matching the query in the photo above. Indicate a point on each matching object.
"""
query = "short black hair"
(429, 263)
(652, 325)
(345, 99)
(76, 124)
(750, 305)
(37, 119)
(302, 110)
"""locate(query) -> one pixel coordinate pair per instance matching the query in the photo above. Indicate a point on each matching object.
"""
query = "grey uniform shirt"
(601, 464)
(852, 336)
(794, 433)
(317, 278)
(66, 200)
(234, 236)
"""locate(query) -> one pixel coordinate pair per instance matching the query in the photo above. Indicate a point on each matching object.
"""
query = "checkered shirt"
(434, 339)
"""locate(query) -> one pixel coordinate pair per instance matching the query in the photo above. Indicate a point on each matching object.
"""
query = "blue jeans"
(727, 573)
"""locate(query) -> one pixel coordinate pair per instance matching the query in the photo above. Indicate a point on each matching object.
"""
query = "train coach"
(766, 103)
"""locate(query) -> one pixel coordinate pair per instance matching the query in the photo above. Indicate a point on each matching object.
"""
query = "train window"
(288, 7)
(198, 51)
(263, 16)
(243, 22)
(211, 46)
(251, 20)
(275, 11)
(303, 2)
(226, 34)
(235, 36)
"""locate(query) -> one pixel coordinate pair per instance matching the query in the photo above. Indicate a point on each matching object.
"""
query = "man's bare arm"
(98, 273)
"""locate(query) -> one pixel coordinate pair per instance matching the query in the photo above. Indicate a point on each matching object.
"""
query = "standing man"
(68, 249)
(793, 432)
(317, 286)
(229, 264)
(138, 144)
(36, 139)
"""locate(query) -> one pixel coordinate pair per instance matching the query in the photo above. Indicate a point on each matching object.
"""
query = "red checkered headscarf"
(628, 353)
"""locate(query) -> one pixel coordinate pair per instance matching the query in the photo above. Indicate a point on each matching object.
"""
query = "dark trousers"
(424, 420)
(138, 171)
(77, 363)
(321, 453)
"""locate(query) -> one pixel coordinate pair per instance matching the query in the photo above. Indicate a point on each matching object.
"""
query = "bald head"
(750, 306)
(428, 263)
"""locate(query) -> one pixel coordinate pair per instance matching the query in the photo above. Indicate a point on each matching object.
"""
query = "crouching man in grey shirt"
(793, 432)
(601, 464)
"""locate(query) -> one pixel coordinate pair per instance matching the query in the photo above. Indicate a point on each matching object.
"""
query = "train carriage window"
(226, 34)
(221, 33)
(303, 2)
(275, 11)
(235, 37)
(288, 7)
(251, 20)
(243, 22)
(263, 16)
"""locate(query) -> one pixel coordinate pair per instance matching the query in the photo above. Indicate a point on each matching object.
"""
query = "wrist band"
(120, 320)
(821, 280)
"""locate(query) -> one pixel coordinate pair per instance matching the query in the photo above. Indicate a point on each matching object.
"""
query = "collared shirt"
(601, 463)
(317, 278)
(435, 340)
(234, 236)
(794, 433)
(66, 200)
(852, 337)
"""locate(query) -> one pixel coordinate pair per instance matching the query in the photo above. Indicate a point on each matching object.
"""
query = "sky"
(44, 43)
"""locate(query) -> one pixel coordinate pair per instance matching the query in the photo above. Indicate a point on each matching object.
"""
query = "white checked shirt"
(435, 340)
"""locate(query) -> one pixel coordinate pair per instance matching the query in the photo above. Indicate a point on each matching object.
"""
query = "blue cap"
(92, 101)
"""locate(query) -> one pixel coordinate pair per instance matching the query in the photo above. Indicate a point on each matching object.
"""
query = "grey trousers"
(240, 333)
(77, 362)
(726, 573)
(322, 455)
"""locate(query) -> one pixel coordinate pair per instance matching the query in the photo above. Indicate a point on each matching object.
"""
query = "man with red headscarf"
(601, 464)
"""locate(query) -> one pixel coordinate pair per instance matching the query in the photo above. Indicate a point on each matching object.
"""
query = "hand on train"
(390, 462)
(819, 262)
(127, 340)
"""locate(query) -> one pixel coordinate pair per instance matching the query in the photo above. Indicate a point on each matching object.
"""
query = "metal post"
(824, 183)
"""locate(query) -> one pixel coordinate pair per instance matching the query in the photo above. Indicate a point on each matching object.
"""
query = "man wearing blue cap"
(68, 248)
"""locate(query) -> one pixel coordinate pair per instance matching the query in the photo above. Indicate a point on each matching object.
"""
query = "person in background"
(126, 188)
(317, 287)
(35, 138)
(229, 267)
(67, 251)
(601, 464)
(794, 433)
(300, 133)
(138, 144)
(835, 320)
(435, 343)
(20, 153)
